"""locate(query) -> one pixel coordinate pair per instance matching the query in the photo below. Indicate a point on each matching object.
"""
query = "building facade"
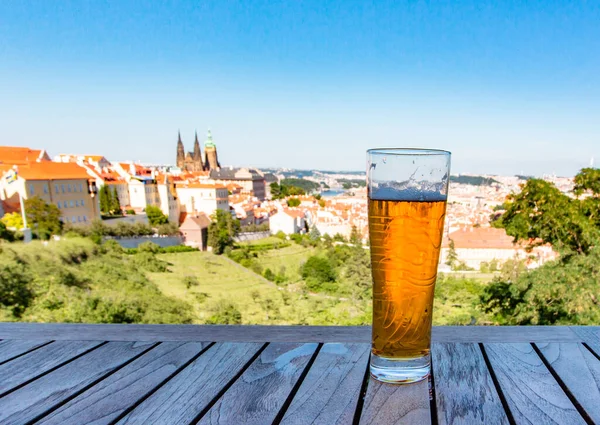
(66, 185)
(250, 180)
(196, 198)
(287, 221)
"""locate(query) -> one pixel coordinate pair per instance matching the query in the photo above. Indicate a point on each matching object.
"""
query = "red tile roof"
(480, 237)
(48, 170)
(19, 155)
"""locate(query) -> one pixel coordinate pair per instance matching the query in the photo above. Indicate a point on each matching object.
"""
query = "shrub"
(225, 313)
(148, 262)
(190, 281)
(319, 273)
(130, 212)
(148, 247)
(269, 275)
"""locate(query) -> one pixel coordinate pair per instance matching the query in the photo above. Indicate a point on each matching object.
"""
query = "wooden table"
(166, 374)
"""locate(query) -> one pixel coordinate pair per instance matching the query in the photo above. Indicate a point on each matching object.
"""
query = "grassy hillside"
(222, 282)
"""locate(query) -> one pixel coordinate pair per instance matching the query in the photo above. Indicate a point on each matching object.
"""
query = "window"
(69, 187)
(80, 187)
(74, 220)
(62, 186)
(79, 218)
(56, 188)
(65, 204)
(58, 204)
(45, 188)
(81, 203)
(84, 218)
(76, 203)
(31, 191)
(71, 204)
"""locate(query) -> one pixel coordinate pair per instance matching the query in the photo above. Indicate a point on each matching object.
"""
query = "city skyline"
(509, 88)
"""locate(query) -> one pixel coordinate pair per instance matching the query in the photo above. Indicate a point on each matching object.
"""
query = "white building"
(287, 221)
(195, 198)
(169, 204)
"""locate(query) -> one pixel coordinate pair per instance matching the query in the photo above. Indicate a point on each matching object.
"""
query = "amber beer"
(405, 246)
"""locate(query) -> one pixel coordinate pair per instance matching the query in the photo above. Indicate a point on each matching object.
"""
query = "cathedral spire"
(180, 151)
(197, 153)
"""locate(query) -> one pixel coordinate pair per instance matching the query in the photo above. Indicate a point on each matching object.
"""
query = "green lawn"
(291, 258)
(258, 301)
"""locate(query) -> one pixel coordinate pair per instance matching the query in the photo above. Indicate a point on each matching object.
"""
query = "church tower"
(197, 156)
(180, 152)
(211, 161)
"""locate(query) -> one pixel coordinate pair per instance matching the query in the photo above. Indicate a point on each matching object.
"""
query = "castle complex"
(196, 160)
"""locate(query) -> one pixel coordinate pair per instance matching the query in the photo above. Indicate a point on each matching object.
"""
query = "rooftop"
(21, 155)
(47, 170)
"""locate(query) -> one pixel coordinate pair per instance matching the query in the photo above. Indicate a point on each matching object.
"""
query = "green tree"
(275, 190)
(452, 258)
(156, 216)
(587, 180)
(541, 214)
(6, 234)
(293, 202)
(563, 292)
(43, 218)
(15, 278)
(222, 230)
(314, 233)
(115, 204)
(14, 220)
(319, 273)
(355, 236)
(104, 199)
(357, 273)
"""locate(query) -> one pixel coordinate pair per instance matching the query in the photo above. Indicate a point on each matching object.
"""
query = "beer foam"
(387, 193)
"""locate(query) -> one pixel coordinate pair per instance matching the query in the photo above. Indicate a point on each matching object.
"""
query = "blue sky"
(508, 87)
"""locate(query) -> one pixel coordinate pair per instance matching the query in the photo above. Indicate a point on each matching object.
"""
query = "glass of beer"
(407, 191)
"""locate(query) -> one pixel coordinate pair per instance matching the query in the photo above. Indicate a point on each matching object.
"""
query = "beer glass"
(407, 191)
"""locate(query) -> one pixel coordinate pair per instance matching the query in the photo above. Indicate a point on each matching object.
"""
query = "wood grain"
(38, 397)
(580, 372)
(261, 334)
(532, 393)
(10, 349)
(396, 404)
(182, 398)
(39, 361)
(590, 335)
(465, 391)
(103, 403)
(330, 391)
(258, 395)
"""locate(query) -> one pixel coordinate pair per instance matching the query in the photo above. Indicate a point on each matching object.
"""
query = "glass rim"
(409, 151)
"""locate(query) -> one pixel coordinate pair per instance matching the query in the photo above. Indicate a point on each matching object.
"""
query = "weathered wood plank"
(182, 398)
(580, 372)
(40, 396)
(532, 393)
(464, 389)
(396, 404)
(588, 334)
(10, 349)
(245, 333)
(330, 391)
(258, 395)
(37, 362)
(104, 402)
